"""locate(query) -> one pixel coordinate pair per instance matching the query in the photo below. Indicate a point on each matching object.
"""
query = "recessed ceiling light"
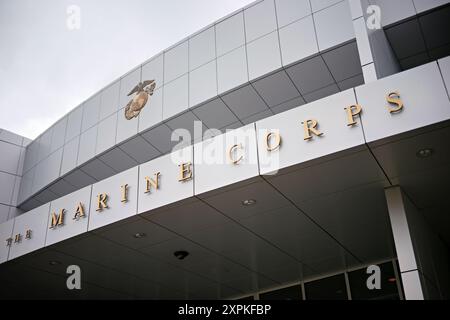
(248, 202)
(181, 254)
(54, 263)
(424, 153)
(139, 235)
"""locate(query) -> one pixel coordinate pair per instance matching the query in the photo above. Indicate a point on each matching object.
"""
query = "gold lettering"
(79, 212)
(185, 171)
(276, 136)
(124, 191)
(394, 98)
(101, 202)
(231, 152)
(310, 126)
(18, 238)
(57, 219)
(149, 182)
(352, 112)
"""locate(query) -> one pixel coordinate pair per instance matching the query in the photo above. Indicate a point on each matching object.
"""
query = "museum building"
(294, 149)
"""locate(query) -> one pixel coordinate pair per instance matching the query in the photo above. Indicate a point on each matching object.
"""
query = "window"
(332, 288)
(290, 293)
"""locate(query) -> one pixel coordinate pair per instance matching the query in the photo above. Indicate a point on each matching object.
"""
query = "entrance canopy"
(295, 196)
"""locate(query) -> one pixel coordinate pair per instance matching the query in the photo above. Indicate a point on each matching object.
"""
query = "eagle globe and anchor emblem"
(142, 91)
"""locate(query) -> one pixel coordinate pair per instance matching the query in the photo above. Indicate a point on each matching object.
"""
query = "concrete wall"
(12, 150)
(398, 42)
(225, 75)
(222, 75)
(423, 92)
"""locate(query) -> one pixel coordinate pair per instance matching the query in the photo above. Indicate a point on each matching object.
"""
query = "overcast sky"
(47, 68)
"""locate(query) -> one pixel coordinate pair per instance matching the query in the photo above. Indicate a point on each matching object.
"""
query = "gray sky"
(46, 69)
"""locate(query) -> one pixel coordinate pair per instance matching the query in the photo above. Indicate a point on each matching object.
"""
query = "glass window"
(388, 282)
(290, 293)
(332, 288)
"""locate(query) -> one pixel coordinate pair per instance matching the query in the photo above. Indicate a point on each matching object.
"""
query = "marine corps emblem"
(143, 91)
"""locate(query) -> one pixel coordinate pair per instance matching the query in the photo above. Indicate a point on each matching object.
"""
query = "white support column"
(422, 256)
(376, 55)
(404, 245)
(362, 40)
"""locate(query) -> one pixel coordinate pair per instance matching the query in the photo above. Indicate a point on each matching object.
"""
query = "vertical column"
(422, 256)
(362, 40)
(375, 52)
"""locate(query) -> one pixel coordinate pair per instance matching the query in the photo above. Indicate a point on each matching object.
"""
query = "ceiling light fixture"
(248, 202)
(424, 153)
(139, 235)
(181, 254)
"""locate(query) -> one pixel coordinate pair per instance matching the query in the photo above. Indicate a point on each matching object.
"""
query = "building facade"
(293, 149)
